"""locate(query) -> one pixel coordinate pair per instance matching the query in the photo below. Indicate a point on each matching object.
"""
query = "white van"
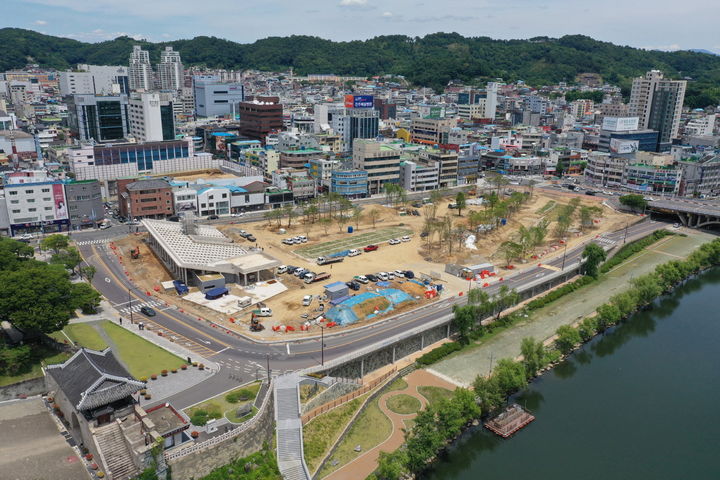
(354, 252)
(383, 276)
(282, 269)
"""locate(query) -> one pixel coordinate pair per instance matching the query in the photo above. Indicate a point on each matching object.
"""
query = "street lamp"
(322, 345)
(563, 261)
(132, 321)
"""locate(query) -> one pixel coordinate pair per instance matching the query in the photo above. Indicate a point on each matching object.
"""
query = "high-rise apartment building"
(140, 71)
(151, 116)
(658, 103)
(170, 70)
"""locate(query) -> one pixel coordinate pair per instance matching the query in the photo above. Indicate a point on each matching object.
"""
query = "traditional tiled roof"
(91, 379)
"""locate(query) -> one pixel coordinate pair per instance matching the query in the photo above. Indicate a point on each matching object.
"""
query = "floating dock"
(512, 419)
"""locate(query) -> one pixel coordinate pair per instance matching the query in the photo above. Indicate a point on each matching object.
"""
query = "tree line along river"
(639, 402)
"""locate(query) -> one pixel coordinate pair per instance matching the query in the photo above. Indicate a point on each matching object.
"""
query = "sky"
(651, 24)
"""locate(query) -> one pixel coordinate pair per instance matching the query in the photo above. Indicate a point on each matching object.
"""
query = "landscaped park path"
(366, 463)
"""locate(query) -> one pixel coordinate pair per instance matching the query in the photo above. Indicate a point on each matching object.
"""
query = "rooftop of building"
(150, 184)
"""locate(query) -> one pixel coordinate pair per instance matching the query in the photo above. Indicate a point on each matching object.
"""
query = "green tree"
(625, 302)
(647, 288)
(87, 271)
(69, 258)
(607, 314)
(634, 201)
(55, 242)
(587, 328)
(567, 338)
(488, 393)
(357, 215)
(391, 465)
(533, 352)
(374, 216)
(510, 376)
(594, 255)
(463, 320)
(461, 202)
(85, 297)
(504, 299)
(14, 253)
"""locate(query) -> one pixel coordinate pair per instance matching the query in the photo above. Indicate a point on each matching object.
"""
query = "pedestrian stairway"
(115, 451)
(289, 428)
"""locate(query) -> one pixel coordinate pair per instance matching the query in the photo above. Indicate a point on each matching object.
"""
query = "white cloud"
(666, 48)
(99, 35)
(40, 22)
(352, 3)
(387, 14)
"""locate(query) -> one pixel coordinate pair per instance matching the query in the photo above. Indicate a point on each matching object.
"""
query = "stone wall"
(34, 386)
(216, 452)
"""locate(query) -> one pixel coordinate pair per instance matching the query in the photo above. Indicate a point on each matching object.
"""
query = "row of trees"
(432, 429)
(480, 306)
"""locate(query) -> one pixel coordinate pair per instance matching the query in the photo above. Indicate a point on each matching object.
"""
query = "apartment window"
(14, 202)
(47, 199)
(13, 192)
(16, 211)
(29, 192)
(30, 200)
(50, 208)
(32, 209)
(45, 190)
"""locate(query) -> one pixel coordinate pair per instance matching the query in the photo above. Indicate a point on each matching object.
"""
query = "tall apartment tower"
(658, 102)
(140, 71)
(170, 70)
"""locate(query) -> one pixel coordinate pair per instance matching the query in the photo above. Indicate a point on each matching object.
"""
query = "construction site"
(434, 244)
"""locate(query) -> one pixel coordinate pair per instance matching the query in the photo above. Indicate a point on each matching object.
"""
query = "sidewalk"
(365, 464)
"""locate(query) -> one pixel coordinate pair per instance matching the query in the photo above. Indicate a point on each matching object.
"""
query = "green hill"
(432, 60)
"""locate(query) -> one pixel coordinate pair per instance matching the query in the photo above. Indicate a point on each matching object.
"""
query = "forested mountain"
(432, 60)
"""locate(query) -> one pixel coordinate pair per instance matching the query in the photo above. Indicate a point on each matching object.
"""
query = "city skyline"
(641, 24)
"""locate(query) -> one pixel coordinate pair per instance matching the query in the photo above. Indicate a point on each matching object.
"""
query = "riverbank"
(635, 402)
(462, 367)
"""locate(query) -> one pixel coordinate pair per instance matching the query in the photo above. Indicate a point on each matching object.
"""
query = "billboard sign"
(359, 101)
(624, 146)
(620, 124)
(61, 210)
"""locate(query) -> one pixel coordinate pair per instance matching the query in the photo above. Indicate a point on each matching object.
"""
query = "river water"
(640, 402)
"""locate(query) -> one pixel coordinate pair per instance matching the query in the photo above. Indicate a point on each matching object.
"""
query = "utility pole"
(322, 344)
(132, 321)
(626, 229)
(563, 261)
(267, 357)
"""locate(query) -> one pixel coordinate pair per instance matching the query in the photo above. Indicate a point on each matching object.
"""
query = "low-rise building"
(381, 161)
(604, 169)
(145, 198)
(419, 177)
(349, 183)
(651, 178)
(700, 176)
(85, 205)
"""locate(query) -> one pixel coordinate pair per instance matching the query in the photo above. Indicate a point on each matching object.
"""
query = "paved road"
(242, 359)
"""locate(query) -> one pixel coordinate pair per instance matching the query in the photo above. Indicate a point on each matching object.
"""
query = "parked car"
(239, 214)
(105, 225)
(452, 206)
(399, 273)
(370, 248)
(302, 238)
(406, 238)
(282, 269)
(409, 274)
(300, 272)
(243, 233)
(291, 269)
(391, 275)
(307, 300)
(251, 238)
(174, 218)
(424, 234)
(353, 285)
(417, 204)
(354, 252)
(372, 277)
(288, 241)
(361, 278)
(383, 276)
(393, 241)
(147, 311)
(213, 217)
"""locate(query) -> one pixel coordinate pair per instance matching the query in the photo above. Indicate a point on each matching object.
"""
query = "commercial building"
(94, 80)
(145, 198)
(431, 131)
(191, 251)
(170, 70)
(140, 71)
(109, 163)
(298, 158)
(98, 118)
(604, 169)
(260, 117)
(357, 123)
(447, 161)
(321, 169)
(349, 183)
(34, 206)
(382, 162)
(700, 127)
(621, 135)
(214, 98)
(652, 178)
(700, 176)
(84, 201)
(658, 103)
(151, 117)
(418, 177)
(298, 182)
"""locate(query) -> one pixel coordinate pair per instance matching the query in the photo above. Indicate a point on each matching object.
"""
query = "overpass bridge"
(691, 213)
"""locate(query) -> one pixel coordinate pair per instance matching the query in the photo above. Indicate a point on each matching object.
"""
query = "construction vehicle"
(135, 253)
(255, 325)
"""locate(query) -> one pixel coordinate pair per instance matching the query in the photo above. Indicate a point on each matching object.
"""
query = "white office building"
(94, 80)
(151, 117)
(418, 177)
(140, 71)
(170, 70)
(213, 98)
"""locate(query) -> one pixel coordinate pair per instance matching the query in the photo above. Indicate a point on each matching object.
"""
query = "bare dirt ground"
(418, 255)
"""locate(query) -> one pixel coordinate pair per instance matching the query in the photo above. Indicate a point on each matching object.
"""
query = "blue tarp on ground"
(344, 315)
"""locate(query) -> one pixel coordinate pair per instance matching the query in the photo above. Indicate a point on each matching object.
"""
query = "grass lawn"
(43, 354)
(322, 431)
(86, 335)
(141, 357)
(434, 394)
(397, 384)
(218, 406)
(403, 404)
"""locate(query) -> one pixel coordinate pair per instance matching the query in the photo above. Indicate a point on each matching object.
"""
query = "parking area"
(358, 240)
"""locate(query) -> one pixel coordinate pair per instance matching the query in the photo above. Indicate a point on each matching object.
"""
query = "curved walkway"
(366, 463)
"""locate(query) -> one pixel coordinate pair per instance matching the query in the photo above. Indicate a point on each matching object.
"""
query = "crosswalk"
(98, 241)
(605, 241)
(137, 306)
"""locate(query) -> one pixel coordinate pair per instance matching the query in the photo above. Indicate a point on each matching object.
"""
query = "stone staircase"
(117, 455)
(289, 429)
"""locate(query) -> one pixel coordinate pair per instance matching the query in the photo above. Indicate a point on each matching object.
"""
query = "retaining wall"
(34, 386)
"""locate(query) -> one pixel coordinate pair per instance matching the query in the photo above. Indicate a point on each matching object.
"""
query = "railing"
(225, 436)
(345, 398)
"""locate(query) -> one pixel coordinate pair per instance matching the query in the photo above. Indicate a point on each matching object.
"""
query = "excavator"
(135, 253)
(255, 325)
